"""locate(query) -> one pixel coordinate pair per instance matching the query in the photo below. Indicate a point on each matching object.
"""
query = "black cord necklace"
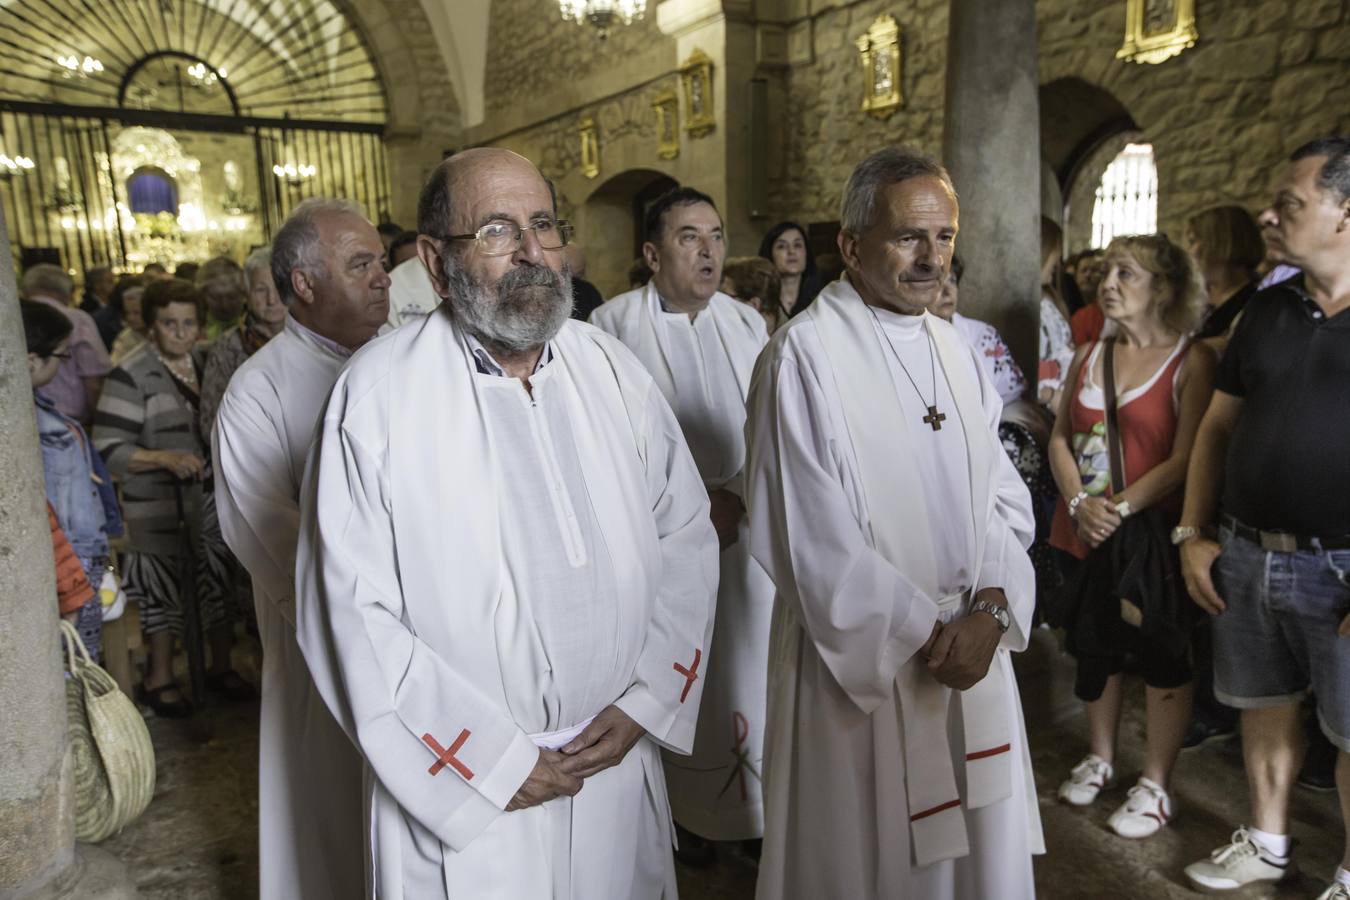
(934, 419)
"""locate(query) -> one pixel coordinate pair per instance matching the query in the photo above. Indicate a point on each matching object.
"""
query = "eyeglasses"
(501, 238)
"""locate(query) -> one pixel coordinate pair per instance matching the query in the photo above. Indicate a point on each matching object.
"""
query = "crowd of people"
(751, 548)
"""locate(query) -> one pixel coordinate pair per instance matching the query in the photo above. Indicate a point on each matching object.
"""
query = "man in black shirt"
(1276, 439)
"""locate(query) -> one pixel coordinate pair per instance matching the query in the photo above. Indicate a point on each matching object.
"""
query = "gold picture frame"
(589, 136)
(696, 76)
(1157, 30)
(667, 107)
(879, 54)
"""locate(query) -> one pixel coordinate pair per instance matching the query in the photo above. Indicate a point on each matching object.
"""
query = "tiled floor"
(198, 840)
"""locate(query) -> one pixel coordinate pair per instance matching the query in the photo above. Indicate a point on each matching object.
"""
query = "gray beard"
(525, 308)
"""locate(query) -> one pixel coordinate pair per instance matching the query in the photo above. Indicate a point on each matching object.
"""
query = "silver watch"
(997, 610)
(1183, 533)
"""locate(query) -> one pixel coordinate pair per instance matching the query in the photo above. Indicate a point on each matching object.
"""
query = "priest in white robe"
(507, 572)
(894, 529)
(411, 295)
(700, 347)
(310, 836)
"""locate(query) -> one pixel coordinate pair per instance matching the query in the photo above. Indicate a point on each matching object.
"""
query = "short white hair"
(296, 245)
(47, 280)
(259, 260)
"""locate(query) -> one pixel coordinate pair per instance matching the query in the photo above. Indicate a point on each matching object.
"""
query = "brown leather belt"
(1284, 541)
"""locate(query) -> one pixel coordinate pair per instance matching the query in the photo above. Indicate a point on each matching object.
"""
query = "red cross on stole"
(690, 674)
(446, 757)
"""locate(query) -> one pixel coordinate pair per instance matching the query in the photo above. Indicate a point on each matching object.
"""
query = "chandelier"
(202, 76)
(292, 171)
(295, 174)
(73, 66)
(11, 166)
(602, 14)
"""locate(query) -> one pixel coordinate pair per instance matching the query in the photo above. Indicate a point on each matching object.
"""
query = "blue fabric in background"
(150, 192)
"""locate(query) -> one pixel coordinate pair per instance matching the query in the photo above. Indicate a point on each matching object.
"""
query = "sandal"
(168, 709)
(232, 685)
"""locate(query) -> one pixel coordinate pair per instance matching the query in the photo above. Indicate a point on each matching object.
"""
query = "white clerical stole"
(903, 533)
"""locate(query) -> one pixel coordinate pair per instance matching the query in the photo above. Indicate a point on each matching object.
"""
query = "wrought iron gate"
(71, 207)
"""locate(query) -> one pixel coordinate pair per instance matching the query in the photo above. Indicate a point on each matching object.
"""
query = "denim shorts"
(1277, 635)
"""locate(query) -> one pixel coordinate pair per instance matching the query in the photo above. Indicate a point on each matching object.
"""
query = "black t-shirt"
(1220, 318)
(1288, 466)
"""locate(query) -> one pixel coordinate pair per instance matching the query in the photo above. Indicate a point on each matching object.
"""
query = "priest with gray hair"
(507, 571)
(328, 265)
(895, 530)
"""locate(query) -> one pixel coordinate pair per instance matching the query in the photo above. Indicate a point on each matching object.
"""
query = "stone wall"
(825, 130)
(1264, 77)
(554, 73)
(538, 56)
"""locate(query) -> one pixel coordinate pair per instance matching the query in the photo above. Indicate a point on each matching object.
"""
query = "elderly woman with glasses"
(146, 427)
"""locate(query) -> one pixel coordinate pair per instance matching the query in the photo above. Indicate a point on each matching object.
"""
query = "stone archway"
(424, 117)
(1083, 126)
(609, 225)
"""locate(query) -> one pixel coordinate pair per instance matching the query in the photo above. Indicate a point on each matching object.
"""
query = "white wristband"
(1123, 508)
(1073, 504)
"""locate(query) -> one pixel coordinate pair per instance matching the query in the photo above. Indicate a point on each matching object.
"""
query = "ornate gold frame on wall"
(667, 107)
(1154, 46)
(696, 75)
(879, 52)
(590, 147)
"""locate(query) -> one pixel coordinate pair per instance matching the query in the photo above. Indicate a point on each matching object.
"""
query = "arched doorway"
(610, 225)
(1083, 129)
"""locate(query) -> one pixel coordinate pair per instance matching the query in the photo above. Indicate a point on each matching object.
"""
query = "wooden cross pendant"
(935, 418)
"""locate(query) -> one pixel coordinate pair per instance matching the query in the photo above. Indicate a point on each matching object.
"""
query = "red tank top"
(1148, 427)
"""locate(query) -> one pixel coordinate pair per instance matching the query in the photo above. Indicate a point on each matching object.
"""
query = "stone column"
(37, 830)
(991, 145)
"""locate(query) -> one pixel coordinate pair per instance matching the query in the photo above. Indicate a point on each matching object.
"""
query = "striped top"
(142, 407)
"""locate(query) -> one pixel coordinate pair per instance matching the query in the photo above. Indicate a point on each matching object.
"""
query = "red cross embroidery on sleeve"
(446, 757)
(690, 674)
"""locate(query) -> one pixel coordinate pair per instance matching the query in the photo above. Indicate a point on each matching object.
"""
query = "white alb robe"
(310, 839)
(482, 571)
(846, 622)
(411, 295)
(703, 367)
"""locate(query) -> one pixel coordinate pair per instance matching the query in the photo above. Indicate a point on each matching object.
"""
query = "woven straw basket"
(114, 762)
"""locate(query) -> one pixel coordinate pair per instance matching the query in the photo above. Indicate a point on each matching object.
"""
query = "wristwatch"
(997, 610)
(1183, 533)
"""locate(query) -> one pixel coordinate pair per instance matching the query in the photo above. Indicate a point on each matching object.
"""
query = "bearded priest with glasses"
(507, 571)
(895, 529)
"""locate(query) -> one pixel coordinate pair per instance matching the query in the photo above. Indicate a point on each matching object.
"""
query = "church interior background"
(138, 131)
(169, 130)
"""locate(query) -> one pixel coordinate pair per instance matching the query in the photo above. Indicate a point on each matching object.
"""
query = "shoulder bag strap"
(1114, 451)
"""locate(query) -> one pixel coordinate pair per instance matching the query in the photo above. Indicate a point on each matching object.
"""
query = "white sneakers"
(1146, 809)
(1147, 806)
(1239, 863)
(1088, 779)
(1337, 891)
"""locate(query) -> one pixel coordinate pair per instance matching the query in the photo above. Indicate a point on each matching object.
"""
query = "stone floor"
(197, 841)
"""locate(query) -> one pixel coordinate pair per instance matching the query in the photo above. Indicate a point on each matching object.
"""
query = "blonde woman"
(1124, 595)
